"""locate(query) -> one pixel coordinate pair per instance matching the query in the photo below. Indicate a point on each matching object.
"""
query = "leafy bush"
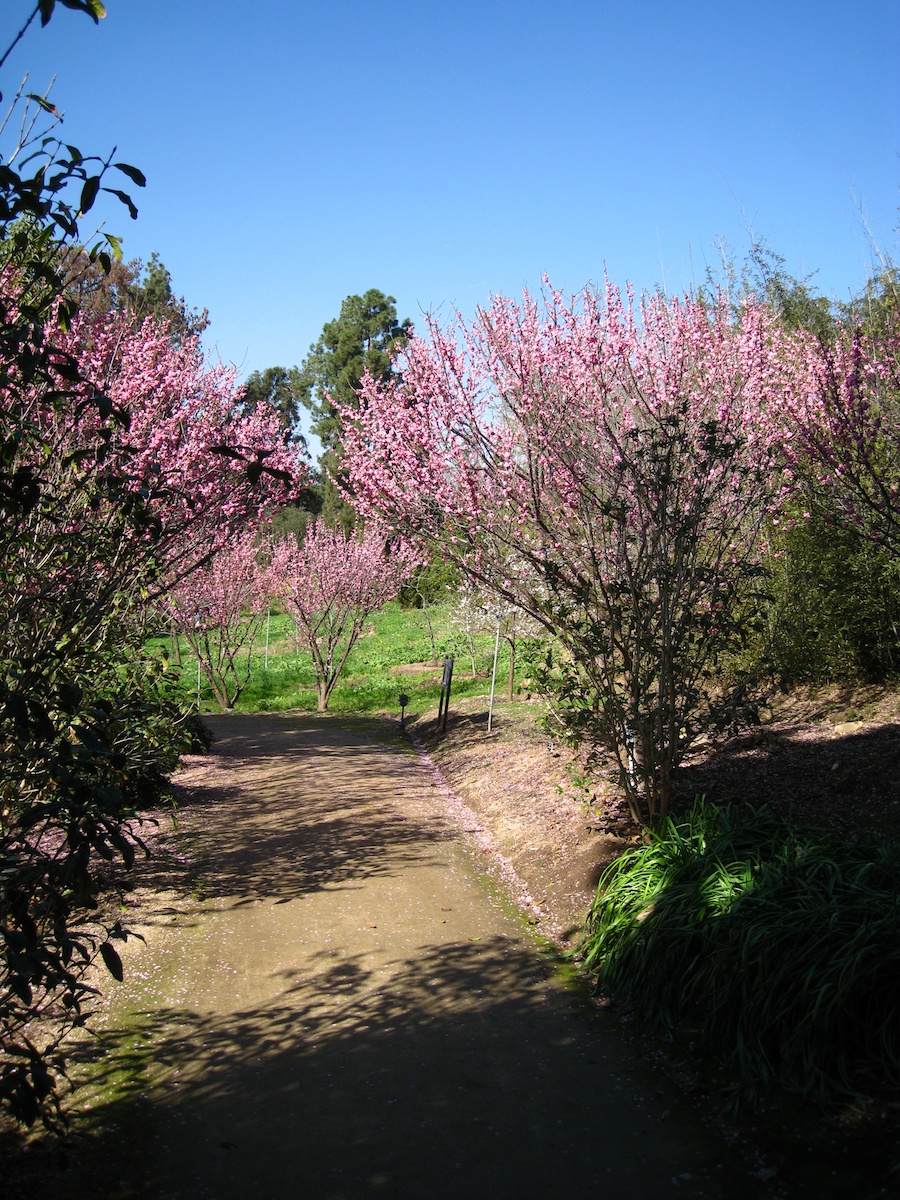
(776, 951)
(835, 605)
(75, 772)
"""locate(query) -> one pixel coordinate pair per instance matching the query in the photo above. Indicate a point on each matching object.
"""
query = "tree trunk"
(176, 643)
(434, 658)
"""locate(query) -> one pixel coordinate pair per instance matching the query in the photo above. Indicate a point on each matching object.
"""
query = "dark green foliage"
(78, 766)
(772, 949)
(763, 276)
(198, 737)
(877, 306)
(365, 337)
(281, 389)
(292, 520)
(835, 609)
(152, 296)
(795, 302)
(431, 583)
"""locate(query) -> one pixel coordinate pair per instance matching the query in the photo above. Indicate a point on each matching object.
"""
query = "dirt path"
(344, 1009)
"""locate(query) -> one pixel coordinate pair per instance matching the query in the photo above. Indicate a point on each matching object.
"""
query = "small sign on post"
(444, 703)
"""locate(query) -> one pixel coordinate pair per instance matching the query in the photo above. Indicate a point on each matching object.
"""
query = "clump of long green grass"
(777, 951)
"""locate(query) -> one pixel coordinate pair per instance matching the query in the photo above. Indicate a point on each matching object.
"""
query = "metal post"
(444, 705)
(198, 628)
(494, 677)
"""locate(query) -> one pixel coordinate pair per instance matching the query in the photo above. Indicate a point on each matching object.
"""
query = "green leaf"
(112, 961)
(44, 103)
(137, 177)
(93, 8)
(89, 193)
(126, 200)
(115, 244)
(46, 8)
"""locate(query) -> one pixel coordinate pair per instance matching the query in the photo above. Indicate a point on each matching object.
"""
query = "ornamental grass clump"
(775, 951)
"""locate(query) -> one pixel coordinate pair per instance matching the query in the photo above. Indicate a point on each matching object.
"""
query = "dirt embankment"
(829, 757)
(530, 815)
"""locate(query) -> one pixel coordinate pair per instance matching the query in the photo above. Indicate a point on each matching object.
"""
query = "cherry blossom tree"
(138, 488)
(198, 462)
(219, 608)
(845, 449)
(606, 466)
(330, 583)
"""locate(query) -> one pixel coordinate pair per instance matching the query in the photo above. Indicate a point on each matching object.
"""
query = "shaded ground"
(825, 756)
(828, 756)
(341, 1006)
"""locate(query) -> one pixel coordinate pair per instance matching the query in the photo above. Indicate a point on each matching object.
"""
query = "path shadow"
(310, 805)
(469, 1075)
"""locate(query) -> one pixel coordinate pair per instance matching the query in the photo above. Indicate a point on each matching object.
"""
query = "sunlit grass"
(770, 947)
(283, 679)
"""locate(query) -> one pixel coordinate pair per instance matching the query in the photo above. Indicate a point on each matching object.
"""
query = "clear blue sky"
(297, 152)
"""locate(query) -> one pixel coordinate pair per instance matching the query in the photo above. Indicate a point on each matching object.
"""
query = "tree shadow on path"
(273, 1050)
(470, 1075)
(279, 813)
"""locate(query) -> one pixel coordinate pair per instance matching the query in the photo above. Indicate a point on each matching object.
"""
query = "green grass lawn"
(380, 667)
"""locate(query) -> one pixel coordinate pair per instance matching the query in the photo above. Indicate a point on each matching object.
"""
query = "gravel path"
(346, 1007)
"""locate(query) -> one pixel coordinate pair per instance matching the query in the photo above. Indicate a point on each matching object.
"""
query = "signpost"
(444, 703)
(494, 677)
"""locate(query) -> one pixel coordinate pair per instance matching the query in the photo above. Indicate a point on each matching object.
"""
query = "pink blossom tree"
(219, 609)
(197, 464)
(330, 583)
(845, 448)
(143, 476)
(606, 466)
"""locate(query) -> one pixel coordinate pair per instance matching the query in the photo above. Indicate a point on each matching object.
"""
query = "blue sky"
(297, 152)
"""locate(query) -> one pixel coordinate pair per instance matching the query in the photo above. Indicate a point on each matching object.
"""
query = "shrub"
(776, 951)
(835, 605)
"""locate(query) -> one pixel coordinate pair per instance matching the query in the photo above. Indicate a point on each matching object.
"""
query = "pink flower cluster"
(184, 445)
(523, 441)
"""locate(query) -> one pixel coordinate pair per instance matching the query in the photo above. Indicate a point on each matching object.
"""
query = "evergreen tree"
(281, 389)
(364, 338)
(132, 287)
